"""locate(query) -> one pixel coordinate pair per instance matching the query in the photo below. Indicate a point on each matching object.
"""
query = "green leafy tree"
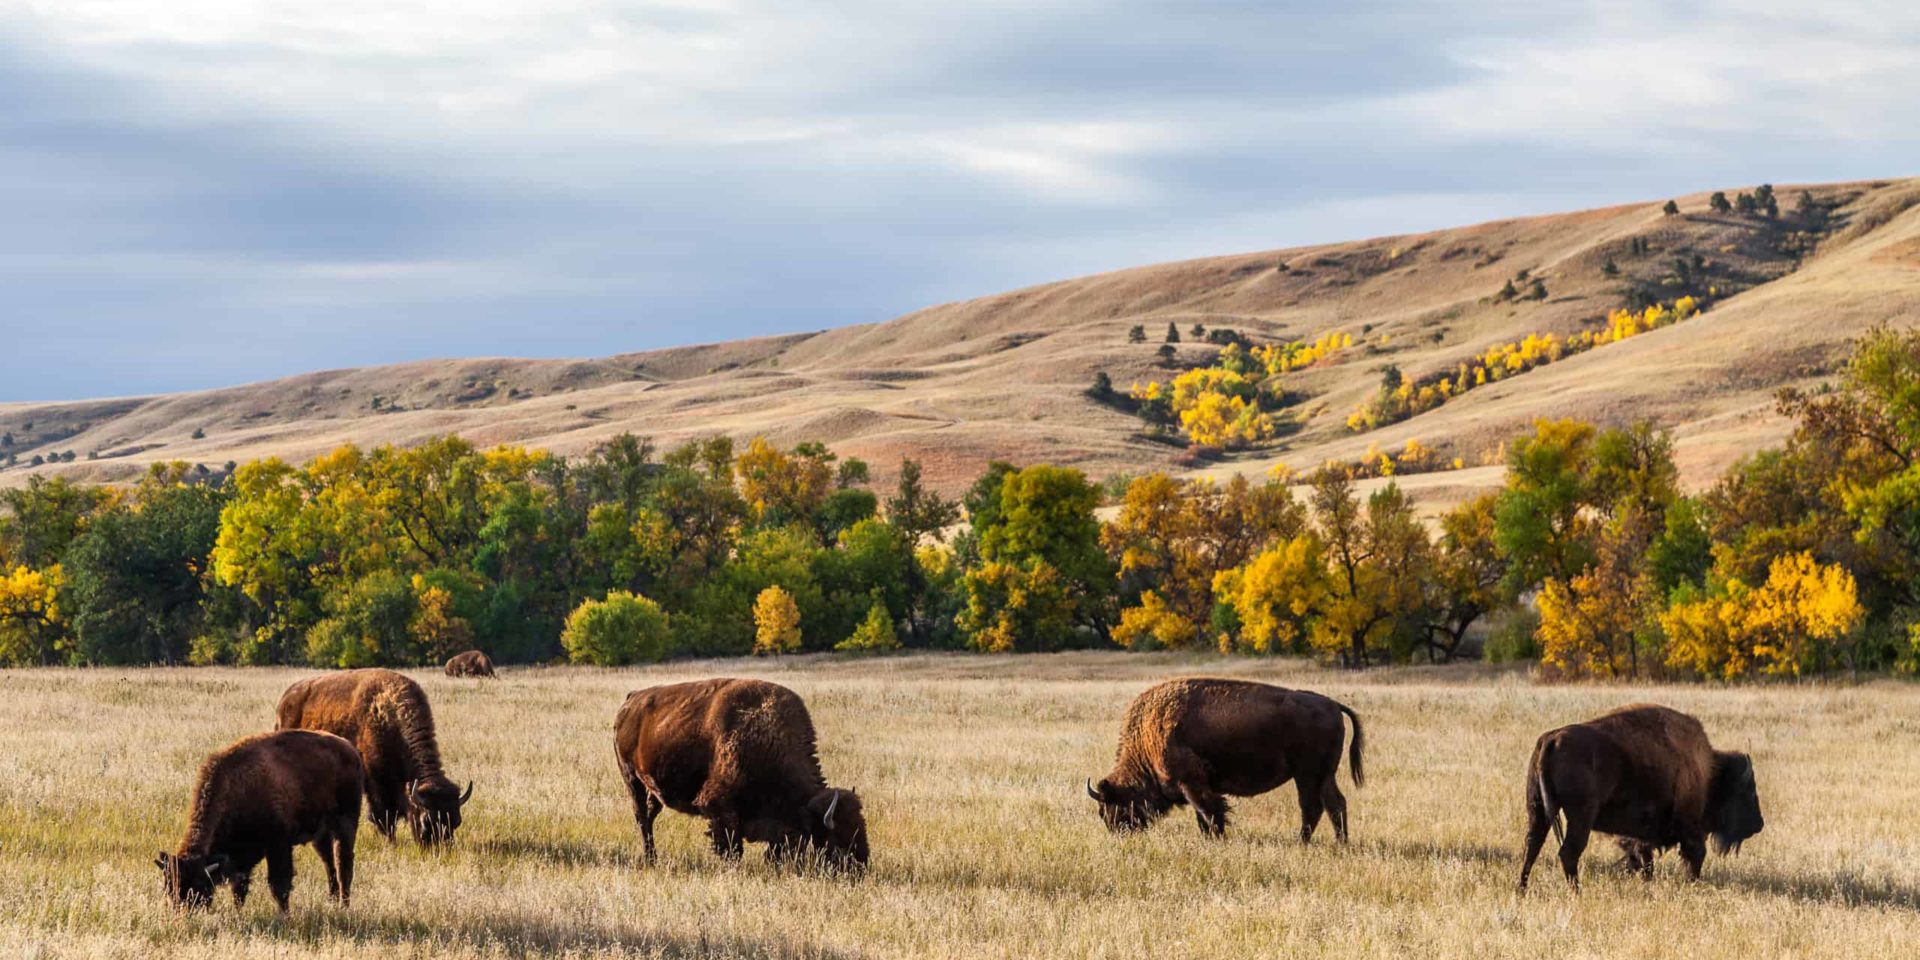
(134, 587)
(623, 628)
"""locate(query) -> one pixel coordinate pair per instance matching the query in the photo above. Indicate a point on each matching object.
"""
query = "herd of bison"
(741, 754)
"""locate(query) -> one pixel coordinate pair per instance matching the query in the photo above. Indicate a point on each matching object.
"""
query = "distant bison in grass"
(384, 715)
(1196, 741)
(257, 800)
(741, 754)
(1647, 775)
(473, 663)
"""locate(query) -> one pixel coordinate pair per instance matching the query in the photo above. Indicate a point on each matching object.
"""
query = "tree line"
(1589, 560)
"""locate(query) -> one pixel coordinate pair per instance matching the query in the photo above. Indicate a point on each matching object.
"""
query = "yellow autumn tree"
(1173, 540)
(33, 629)
(776, 622)
(1786, 626)
(1152, 625)
(1274, 595)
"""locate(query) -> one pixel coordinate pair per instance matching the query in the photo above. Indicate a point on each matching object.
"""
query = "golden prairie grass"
(984, 844)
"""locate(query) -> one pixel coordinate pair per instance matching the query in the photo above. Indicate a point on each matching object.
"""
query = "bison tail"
(1548, 807)
(1357, 748)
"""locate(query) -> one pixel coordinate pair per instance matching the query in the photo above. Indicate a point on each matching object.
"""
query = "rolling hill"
(1005, 376)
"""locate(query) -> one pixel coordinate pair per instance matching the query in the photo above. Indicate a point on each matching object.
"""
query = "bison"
(741, 754)
(1198, 740)
(386, 716)
(257, 800)
(473, 663)
(1647, 775)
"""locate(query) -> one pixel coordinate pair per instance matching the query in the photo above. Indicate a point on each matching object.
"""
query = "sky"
(195, 193)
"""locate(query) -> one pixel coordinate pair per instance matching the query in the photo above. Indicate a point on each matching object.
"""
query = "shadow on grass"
(559, 852)
(1852, 891)
(518, 936)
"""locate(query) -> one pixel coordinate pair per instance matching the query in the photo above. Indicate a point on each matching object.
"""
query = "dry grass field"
(984, 845)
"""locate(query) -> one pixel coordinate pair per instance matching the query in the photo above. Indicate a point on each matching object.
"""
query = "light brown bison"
(473, 663)
(1198, 740)
(741, 754)
(1645, 774)
(386, 716)
(257, 800)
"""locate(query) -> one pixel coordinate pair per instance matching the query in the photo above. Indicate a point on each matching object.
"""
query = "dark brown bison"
(257, 800)
(1645, 774)
(1198, 740)
(386, 716)
(473, 663)
(741, 754)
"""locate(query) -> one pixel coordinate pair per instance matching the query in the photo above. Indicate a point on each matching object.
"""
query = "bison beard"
(257, 800)
(385, 715)
(1647, 775)
(1196, 741)
(741, 754)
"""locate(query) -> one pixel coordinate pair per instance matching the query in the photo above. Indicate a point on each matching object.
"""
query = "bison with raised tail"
(257, 800)
(1645, 774)
(384, 715)
(1196, 741)
(472, 663)
(741, 754)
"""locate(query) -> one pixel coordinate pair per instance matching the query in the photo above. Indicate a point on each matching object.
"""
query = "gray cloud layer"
(200, 192)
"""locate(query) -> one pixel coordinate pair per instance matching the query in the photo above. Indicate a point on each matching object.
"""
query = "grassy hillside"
(1004, 376)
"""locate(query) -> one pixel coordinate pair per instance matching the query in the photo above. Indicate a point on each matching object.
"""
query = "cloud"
(230, 184)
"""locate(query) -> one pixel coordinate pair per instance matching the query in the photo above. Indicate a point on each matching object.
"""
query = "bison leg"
(1538, 823)
(646, 807)
(240, 881)
(1209, 809)
(650, 812)
(1693, 852)
(280, 875)
(343, 856)
(1571, 848)
(1312, 805)
(1336, 804)
(323, 845)
(1639, 858)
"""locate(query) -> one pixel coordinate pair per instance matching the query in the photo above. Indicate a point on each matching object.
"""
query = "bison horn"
(831, 805)
(468, 795)
(1095, 794)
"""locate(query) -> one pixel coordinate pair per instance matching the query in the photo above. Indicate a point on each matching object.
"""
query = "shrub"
(875, 634)
(624, 628)
(1513, 640)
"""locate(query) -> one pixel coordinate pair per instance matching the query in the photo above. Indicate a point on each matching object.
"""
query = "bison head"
(837, 828)
(1733, 802)
(190, 880)
(433, 809)
(1125, 809)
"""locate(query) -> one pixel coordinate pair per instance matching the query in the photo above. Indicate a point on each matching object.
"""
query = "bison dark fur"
(472, 663)
(384, 715)
(257, 800)
(741, 754)
(1647, 775)
(1196, 741)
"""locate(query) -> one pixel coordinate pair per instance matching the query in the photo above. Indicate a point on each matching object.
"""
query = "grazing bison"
(386, 716)
(739, 753)
(473, 663)
(257, 800)
(1645, 774)
(1197, 741)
